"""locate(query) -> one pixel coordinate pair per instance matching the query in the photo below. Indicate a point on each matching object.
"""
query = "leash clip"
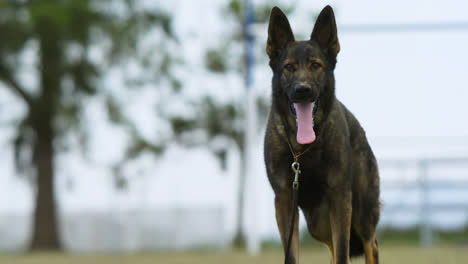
(295, 167)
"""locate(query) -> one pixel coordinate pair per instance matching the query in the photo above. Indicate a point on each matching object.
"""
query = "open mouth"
(304, 113)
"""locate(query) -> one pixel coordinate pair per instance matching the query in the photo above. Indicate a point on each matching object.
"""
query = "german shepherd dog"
(339, 184)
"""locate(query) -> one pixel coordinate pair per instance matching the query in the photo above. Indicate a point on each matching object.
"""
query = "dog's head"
(303, 70)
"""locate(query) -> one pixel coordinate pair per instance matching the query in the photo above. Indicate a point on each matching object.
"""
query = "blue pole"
(249, 42)
(253, 238)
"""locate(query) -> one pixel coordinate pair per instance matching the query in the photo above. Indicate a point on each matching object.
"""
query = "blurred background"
(137, 126)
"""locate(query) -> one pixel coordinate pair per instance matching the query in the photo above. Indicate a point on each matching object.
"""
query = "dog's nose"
(302, 89)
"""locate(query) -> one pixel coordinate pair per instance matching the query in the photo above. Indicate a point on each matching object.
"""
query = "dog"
(339, 182)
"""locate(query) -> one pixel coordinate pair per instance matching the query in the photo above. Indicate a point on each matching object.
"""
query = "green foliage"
(215, 119)
(22, 146)
(215, 58)
(215, 61)
(64, 36)
(219, 119)
(139, 144)
(176, 85)
(262, 11)
(113, 111)
(84, 75)
(180, 125)
(125, 33)
(73, 26)
(165, 65)
(235, 7)
(225, 119)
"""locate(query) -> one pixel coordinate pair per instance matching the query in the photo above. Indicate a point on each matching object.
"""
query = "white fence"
(126, 230)
(431, 193)
(425, 187)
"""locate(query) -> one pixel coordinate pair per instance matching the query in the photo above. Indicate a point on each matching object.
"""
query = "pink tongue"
(305, 131)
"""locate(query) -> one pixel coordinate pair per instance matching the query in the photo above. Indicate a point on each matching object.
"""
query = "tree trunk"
(239, 237)
(45, 230)
(42, 113)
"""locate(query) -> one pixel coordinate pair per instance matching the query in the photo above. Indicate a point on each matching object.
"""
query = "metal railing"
(425, 185)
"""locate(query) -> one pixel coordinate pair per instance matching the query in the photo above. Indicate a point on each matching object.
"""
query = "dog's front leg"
(340, 223)
(283, 205)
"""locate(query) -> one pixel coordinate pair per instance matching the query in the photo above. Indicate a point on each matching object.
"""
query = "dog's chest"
(312, 181)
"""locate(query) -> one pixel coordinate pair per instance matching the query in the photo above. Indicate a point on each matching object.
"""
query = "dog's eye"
(289, 67)
(315, 66)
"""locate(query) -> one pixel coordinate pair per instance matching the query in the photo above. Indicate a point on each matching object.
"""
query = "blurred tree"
(61, 34)
(226, 120)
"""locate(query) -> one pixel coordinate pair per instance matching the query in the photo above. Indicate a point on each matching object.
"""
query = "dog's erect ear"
(279, 33)
(325, 32)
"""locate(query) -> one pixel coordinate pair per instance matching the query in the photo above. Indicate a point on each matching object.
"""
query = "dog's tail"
(356, 248)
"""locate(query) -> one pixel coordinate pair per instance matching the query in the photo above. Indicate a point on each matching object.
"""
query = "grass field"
(389, 255)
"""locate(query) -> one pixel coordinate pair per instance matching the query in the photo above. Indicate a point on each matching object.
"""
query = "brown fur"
(339, 183)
